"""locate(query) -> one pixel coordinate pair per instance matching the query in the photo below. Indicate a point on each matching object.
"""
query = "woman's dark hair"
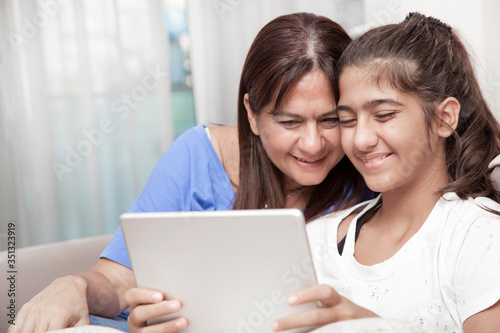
(284, 51)
(424, 57)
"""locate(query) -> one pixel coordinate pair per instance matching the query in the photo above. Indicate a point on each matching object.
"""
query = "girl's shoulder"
(465, 220)
(332, 220)
(479, 207)
(356, 209)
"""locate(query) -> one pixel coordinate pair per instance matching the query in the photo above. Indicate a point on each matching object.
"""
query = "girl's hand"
(335, 308)
(148, 304)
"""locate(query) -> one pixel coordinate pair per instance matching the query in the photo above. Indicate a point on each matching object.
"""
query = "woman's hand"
(62, 304)
(335, 308)
(69, 299)
(147, 304)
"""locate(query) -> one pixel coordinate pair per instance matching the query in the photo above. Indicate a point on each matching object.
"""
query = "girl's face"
(384, 134)
(301, 138)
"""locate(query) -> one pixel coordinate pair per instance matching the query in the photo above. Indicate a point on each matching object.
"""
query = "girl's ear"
(448, 112)
(252, 117)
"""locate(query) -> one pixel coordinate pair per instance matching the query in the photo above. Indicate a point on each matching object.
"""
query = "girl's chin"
(379, 186)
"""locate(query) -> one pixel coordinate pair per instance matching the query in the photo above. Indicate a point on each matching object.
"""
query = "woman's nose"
(311, 140)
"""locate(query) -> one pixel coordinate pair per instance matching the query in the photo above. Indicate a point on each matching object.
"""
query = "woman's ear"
(448, 111)
(252, 117)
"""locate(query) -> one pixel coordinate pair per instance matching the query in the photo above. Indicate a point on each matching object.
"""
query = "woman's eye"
(289, 123)
(332, 121)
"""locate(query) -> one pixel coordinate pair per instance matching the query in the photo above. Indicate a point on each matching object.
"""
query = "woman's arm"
(107, 283)
(68, 300)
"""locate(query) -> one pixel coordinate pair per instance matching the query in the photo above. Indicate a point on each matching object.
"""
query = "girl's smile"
(385, 135)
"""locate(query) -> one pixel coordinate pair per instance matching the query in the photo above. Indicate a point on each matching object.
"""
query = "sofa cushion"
(37, 266)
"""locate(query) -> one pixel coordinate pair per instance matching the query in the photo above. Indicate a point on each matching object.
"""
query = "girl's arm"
(487, 321)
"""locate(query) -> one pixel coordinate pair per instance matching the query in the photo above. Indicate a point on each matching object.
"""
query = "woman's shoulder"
(191, 137)
(225, 141)
(190, 149)
(222, 136)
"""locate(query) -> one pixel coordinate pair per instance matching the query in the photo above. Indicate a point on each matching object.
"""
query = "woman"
(289, 142)
(285, 153)
(416, 126)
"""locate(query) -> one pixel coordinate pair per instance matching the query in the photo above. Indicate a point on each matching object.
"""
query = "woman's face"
(301, 138)
(384, 134)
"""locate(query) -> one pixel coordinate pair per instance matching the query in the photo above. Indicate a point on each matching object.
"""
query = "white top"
(448, 271)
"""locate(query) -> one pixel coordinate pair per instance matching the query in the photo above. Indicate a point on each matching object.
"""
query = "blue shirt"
(188, 177)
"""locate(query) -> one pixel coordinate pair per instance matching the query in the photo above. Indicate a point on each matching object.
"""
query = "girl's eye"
(347, 122)
(386, 116)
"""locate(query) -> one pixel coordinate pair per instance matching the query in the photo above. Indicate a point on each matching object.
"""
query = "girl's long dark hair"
(284, 50)
(424, 57)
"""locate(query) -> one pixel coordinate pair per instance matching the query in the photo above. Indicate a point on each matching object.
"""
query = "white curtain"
(222, 32)
(84, 113)
(478, 24)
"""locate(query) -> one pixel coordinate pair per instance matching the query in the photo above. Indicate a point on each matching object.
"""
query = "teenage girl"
(415, 124)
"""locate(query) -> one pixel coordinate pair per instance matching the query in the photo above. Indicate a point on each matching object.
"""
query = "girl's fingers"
(140, 314)
(166, 327)
(136, 296)
(317, 293)
(308, 318)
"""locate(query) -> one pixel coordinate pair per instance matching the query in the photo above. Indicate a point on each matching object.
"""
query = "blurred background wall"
(92, 92)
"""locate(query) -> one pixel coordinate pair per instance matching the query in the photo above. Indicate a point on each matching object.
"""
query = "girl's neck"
(407, 208)
(400, 217)
(412, 205)
(418, 196)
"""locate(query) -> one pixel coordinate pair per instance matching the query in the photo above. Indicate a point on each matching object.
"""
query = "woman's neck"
(297, 198)
(225, 142)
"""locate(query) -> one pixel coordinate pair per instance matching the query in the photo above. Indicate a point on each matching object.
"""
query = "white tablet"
(232, 270)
